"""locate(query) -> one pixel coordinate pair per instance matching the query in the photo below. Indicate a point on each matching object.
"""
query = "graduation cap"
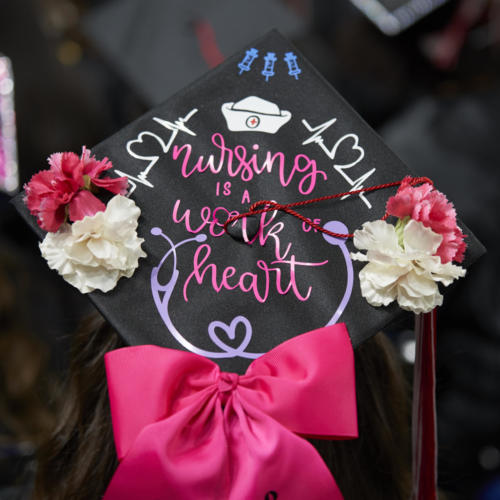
(160, 46)
(231, 292)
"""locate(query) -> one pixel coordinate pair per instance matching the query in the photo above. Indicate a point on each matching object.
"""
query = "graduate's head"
(79, 459)
(218, 234)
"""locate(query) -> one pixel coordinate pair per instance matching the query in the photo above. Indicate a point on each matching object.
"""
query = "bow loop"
(185, 430)
(307, 384)
(147, 384)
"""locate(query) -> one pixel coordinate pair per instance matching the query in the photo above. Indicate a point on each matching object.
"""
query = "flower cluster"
(95, 252)
(430, 207)
(65, 190)
(101, 245)
(407, 261)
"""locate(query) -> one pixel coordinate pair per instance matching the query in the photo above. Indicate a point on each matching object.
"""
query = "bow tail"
(186, 431)
(235, 455)
(180, 457)
(267, 461)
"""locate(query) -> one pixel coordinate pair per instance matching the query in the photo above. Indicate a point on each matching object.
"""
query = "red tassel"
(424, 429)
(208, 44)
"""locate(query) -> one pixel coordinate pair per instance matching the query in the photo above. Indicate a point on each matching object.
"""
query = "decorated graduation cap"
(242, 238)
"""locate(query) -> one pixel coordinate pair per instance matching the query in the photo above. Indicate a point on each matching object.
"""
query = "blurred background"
(425, 74)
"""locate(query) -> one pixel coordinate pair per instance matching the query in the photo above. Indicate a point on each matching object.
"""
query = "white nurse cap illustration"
(253, 114)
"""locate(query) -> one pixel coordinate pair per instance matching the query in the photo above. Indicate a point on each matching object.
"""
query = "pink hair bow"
(184, 430)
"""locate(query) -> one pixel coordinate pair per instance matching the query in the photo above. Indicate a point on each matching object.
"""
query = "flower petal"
(375, 295)
(52, 247)
(418, 305)
(102, 249)
(72, 168)
(51, 215)
(91, 279)
(403, 203)
(383, 276)
(376, 235)
(117, 185)
(55, 160)
(410, 273)
(121, 215)
(41, 184)
(102, 279)
(447, 273)
(84, 203)
(92, 167)
(85, 254)
(431, 207)
(420, 239)
(418, 285)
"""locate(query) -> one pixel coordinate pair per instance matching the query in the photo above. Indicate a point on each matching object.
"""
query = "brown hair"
(79, 459)
(377, 465)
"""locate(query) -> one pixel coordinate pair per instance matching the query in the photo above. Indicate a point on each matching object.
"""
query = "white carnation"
(405, 270)
(95, 252)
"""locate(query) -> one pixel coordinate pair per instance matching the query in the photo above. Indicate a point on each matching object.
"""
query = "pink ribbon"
(184, 430)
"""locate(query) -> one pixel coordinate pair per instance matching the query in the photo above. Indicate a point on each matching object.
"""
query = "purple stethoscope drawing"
(162, 293)
(338, 227)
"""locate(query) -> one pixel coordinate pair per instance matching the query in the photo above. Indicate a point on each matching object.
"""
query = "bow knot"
(182, 430)
(226, 383)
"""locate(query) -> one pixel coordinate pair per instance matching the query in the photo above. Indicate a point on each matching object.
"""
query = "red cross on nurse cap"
(263, 125)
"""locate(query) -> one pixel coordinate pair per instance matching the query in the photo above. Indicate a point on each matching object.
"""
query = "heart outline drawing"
(230, 331)
(140, 140)
(355, 147)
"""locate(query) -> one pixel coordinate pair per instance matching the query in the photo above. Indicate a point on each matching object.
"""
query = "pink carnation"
(64, 190)
(431, 207)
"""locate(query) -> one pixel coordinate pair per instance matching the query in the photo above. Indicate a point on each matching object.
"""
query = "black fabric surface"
(198, 309)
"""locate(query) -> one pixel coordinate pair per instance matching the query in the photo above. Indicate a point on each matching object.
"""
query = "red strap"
(424, 431)
(271, 206)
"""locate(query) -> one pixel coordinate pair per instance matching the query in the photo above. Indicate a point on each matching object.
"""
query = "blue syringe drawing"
(293, 68)
(269, 61)
(247, 61)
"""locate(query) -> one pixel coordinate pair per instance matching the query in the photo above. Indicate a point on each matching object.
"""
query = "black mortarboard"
(160, 46)
(264, 125)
